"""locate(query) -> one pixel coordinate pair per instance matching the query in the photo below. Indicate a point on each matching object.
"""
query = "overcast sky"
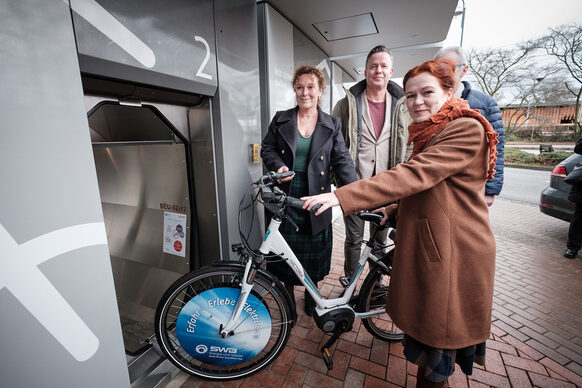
(502, 23)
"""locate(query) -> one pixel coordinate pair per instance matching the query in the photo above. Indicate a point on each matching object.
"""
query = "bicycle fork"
(246, 287)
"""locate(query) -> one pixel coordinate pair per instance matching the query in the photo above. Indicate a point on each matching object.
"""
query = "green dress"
(314, 252)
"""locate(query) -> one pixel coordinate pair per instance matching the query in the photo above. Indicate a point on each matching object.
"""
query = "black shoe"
(570, 253)
(309, 304)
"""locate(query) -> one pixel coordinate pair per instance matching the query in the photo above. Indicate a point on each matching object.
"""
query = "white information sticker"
(175, 233)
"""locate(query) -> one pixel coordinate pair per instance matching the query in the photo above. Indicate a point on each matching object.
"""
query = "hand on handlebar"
(388, 212)
(285, 169)
(327, 200)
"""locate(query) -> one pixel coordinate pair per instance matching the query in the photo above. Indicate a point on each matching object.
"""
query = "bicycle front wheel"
(193, 310)
(373, 297)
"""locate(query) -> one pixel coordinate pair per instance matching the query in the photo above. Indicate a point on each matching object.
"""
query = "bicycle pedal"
(345, 280)
(327, 358)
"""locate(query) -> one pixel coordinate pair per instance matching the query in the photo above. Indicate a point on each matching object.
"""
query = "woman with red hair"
(441, 288)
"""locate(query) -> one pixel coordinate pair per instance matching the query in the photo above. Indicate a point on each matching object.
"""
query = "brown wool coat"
(441, 288)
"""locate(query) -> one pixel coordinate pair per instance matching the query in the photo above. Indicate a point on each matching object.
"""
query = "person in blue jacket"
(488, 108)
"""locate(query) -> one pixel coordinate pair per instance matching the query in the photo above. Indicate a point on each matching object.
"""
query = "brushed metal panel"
(142, 173)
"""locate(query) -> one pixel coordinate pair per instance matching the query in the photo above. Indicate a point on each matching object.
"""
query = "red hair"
(443, 69)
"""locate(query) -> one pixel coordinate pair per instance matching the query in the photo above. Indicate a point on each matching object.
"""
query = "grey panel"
(138, 184)
(205, 183)
(59, 320)
(151, 42)
(236, 114)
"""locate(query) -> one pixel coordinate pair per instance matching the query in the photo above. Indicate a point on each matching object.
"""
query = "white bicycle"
(233, 318)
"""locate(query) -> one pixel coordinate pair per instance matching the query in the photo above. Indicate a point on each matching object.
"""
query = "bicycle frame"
(275, 242)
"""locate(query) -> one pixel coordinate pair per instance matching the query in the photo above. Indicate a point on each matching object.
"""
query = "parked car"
(554, 199)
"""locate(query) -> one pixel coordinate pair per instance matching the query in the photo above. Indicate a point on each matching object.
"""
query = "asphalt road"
(515, 213)
(524, 186)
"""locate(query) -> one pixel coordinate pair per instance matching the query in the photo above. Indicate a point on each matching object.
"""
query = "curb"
(541, 168)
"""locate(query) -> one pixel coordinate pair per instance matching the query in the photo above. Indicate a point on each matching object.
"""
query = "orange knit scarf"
(454, 108)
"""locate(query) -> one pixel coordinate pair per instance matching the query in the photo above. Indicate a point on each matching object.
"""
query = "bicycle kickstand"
(327, 356)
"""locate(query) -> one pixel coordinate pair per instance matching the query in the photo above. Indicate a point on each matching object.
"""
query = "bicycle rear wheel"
(373, 297)
(193, 310)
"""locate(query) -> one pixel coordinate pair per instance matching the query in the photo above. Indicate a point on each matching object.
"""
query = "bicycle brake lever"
(288, 218)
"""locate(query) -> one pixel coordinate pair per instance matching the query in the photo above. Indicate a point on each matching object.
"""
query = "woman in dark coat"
(309, 142)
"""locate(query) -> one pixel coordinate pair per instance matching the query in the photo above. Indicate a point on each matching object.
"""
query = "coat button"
(321, 157)
(322, 173)
(322, 188)
(282, 152)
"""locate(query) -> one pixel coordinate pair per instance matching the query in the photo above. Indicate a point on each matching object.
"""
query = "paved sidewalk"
(536, 336)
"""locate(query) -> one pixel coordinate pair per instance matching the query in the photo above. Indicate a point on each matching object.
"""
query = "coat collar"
(393, 88)
(324, 127)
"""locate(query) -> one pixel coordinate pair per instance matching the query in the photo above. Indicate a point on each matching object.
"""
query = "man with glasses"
(375, 127)
(488, 108)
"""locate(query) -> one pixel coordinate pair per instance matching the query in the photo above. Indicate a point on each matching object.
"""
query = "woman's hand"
(326, 200)
(285, 169)
(388, 211)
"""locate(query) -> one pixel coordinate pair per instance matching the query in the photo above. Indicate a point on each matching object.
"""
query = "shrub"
(518, 157)
(552, 158)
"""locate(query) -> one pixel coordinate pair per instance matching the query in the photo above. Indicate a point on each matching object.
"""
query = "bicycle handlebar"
(267, 194)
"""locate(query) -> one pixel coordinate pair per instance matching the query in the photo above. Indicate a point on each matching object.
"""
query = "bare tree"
(498, 69)
(565, 44)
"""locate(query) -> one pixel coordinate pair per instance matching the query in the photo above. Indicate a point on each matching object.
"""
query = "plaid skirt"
(439, 364)
(314, 252)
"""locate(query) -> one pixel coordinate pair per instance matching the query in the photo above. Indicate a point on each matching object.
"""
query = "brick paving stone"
(341, 363)
(379, 351)
(494, 362)
(491, 379)
(497, 331)
(268, 378)
(354, 349)
(510, 330)
(501, 346)
(540, 338)
(528, 323)
(284, 361)
(562, 371)
(364, 337)
(458, 379)
(296, 376)
(505, 319)
(554, 355)
(523, 347)
(476, 384)
(368, 367)
(354, 379)
(575, 367)
(523, 363)
(518, 377)
(311, 362)
(548, 382)
(571, 355)
(319, 380)
(374, 382)
(396, 371)
(397, 349)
